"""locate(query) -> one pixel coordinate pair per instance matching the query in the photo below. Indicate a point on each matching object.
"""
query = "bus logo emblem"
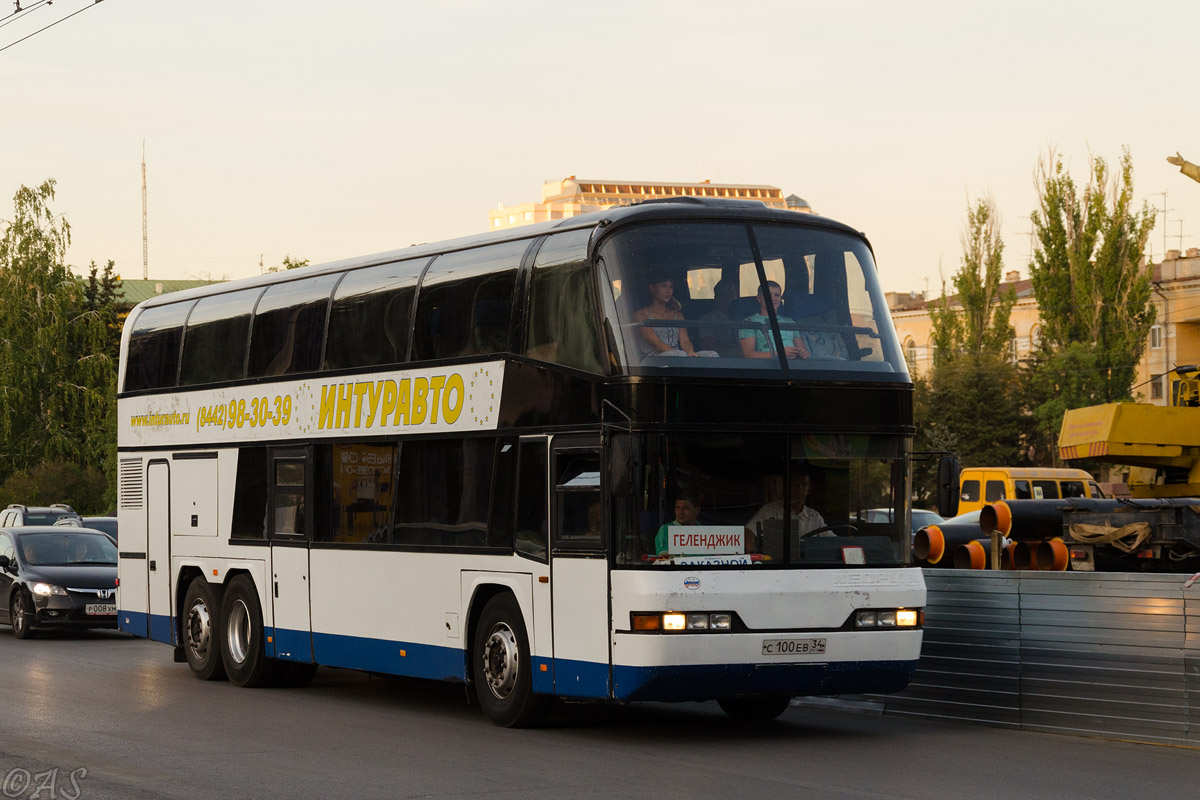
(691, 583)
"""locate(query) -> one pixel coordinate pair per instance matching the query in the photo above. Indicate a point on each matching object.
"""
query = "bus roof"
(659, 209)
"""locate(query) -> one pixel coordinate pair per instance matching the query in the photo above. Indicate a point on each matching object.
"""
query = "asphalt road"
(101, 715)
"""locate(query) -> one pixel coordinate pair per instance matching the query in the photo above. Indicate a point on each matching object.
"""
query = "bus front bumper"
(680, 667)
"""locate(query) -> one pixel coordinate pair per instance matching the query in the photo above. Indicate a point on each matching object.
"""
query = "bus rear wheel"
(202, 631)
(760, 708)
(500, 667)
(243, 651)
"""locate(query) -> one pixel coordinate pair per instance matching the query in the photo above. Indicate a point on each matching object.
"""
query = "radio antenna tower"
(145, 238)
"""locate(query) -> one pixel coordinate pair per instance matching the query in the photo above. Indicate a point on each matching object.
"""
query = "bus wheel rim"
(199, 630)
(238, 632)
(500, 661)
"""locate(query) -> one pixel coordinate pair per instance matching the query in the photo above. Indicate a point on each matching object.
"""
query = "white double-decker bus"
(586, 459)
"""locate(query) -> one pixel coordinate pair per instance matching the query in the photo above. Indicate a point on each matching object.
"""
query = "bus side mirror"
(947, 486)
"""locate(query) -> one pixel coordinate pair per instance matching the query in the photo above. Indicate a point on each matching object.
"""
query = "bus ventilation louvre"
(129, 483)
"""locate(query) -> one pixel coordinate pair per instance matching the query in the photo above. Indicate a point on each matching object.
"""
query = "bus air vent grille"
(129, 487)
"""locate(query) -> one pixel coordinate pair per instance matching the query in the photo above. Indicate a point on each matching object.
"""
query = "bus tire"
(500, 667)
(243, 650)
(759, 708)
(202, 631)
(22, 618)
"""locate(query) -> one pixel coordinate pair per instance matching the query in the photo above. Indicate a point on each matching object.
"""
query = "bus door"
(578, 570)
(158, 551)
(291, 526)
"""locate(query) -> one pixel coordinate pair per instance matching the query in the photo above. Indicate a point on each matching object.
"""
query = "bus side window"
(443, 492)
(370, 316)
(562, 323)
(993, 491)
(1021, 488)
(153, 358)
(531, 528)
(464, 302)
(579, 511)
(289, 325)
(353, 499)
(250, 494)
(970, 491)
(216, 338)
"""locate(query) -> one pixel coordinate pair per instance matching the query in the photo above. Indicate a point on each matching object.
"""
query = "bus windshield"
(691, 295)
(718, 499)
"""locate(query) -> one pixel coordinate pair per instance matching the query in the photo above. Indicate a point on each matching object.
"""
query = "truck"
(1158, 528)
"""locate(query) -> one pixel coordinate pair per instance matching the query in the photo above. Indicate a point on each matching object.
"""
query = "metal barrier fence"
(1115, 655)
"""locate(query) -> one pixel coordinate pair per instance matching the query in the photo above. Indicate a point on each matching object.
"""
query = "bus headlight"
(888, 618)
(681, 622)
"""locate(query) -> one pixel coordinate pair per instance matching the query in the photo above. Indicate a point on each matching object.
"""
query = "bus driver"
(805, 519)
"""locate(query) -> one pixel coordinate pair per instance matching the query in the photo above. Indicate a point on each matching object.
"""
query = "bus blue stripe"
(384, 655)
(162, 628)
(133, 622)
(712, 681)
(580, 678)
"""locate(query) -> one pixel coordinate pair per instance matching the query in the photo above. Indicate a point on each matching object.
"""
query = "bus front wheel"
(500, 667)
(755, 709)
(202, 631)
(242, 645)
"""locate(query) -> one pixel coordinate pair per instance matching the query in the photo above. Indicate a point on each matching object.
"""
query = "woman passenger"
(664, 340)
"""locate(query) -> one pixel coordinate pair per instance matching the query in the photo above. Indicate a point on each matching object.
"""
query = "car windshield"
(103, 524)
(920, 519)
(44, 517)
(692, 296)
(66, 549)
(718, 499)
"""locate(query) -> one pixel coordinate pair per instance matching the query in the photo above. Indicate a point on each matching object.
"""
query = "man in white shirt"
(805, 519)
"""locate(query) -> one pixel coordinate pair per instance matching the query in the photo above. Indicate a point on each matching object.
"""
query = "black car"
(57, 577)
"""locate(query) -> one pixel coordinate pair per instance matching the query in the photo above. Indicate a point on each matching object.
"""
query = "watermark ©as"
(50, 784)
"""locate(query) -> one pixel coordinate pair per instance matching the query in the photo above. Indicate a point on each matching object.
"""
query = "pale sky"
(327, 130)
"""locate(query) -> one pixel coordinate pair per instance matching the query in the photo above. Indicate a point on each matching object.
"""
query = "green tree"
(100, 298)
(969, 404)
(56, 380)
(1093, 291)
(979, 321)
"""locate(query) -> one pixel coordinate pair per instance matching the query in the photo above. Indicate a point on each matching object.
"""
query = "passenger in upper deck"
(757, 342)
(723, 340)
(664, 340)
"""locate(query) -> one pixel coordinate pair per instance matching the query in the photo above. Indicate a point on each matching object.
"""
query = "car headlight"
(47, 589)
